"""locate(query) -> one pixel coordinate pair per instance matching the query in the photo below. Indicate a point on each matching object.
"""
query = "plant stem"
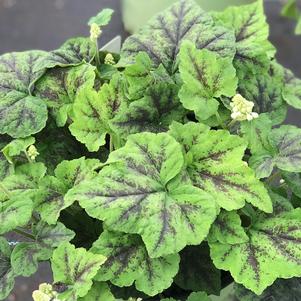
(231, 123)
(111, 144)
(97, 55)
(2, 187)
(27, 157)
(24, 233)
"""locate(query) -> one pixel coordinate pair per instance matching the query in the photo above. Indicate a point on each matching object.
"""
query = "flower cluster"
(242, 109)
(32, 152)
(95, 32)
(109, 59)
(45, 293)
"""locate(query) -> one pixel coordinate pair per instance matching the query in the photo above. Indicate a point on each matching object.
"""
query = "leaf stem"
(97, 55)
(231, 123)
(27, 157)
(111, 144)
(3, 188)
(24, 233)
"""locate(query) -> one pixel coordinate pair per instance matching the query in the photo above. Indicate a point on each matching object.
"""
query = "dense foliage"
(160, 173)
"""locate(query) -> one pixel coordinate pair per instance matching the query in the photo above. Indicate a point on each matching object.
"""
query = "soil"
(45, 24)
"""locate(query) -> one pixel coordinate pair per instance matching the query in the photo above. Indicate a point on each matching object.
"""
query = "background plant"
(138, 173)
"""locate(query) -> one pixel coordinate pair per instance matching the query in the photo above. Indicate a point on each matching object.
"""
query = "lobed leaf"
(75, 268)
(128, 262)
(206, 77)
(273, 251)
(140, 191)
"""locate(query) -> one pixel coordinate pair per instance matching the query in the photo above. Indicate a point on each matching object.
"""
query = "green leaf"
(53, 188)
(273, 251)
(15, 212)
(292, 90)
(100, 291)
(93, 110)
(161, 38)
(103, 18)
(128, 262)
(227, 229)
(293, 180)
(206, 76)
(75, 268)
(20, 113)
(16, 147)
(282, 289)
(153, 113)
(6, 273)
(280, 203)
(59, 87)
(215, 165)
(140, 191)
(285, 152)
(198, 296)
(26, 255)
(264, 88)
(73, 52)
(24, 182)
(193, 260)
(251, 32)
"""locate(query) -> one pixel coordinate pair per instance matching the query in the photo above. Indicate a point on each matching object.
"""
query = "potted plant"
(163, 172)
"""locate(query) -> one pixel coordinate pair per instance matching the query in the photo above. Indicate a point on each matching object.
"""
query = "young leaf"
(273, 251)
(103, 18)
(26, 255)
(59, 87)
(292, 90)
(16, 147)
(53, 188)
(227, 229)
(215, 165)
(138, 193)
(75, 268)
(100, 291)
(153, 113)
(206, 76)
(197, 272)
(251, 32)
(93, 110)
(198, 296)
(285, 152)
(72, 53)
(128, 262)
(20, 113)
(161, 38)
(6, 273)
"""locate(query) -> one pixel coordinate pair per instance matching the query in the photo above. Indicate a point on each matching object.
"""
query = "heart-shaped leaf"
(142, 192)
(273, 251)
(75, 268)
(100, 291)
(129, 262)
(206, 76)
(20, 113)
(102, 18)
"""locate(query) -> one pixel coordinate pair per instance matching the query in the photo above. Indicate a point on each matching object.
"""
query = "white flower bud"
(242, 109)
(95, 32)
(45, 293)
(109, 59)
(32, 152)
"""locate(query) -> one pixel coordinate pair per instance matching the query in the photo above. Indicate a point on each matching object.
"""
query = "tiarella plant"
(162, 172)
